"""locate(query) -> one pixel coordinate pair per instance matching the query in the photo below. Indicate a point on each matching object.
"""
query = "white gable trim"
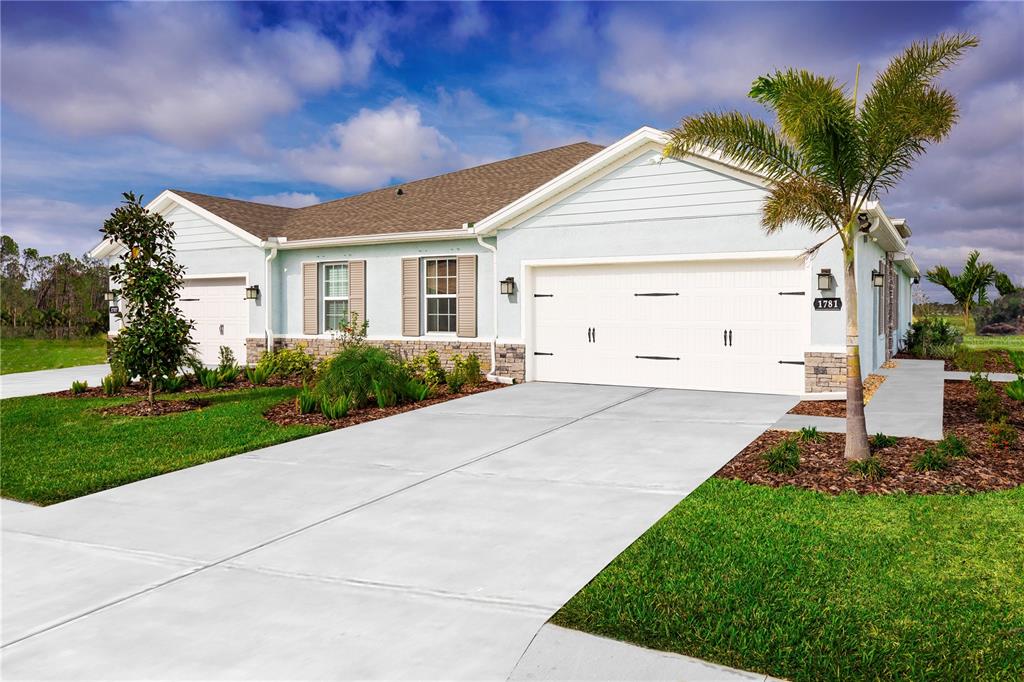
(614, 156)
(163, 204)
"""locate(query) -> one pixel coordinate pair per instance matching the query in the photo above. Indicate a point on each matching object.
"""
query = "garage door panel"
(219, 313)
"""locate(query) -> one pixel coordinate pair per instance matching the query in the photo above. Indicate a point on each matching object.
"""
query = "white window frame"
(322, 291)
(425, 321)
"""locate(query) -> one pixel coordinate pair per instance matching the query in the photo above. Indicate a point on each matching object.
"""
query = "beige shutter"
(357, 289)
(465, 307)
(410, 297)
(310, 317)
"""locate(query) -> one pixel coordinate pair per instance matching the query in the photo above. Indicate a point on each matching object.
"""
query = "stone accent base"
(824, 372)
(511, 358)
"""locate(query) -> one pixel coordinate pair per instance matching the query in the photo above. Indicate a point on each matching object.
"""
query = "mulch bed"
(996, 360)
(142, 408)
(823, 467)
(138, 389)
(836, 408)
(285, 413)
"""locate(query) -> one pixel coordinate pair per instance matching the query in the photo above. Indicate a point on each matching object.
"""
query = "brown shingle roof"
(443, 202)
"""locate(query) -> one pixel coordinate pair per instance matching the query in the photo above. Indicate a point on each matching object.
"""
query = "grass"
(55, 449)
(973, 341)
(29, 355)
(806, 586)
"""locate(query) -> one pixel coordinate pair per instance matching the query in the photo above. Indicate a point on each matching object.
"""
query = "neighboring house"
(624, 267)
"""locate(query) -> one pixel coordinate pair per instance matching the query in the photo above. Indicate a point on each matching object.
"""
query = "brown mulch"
(992, 360)
(138, 389)
(823, 467)
(836, 408)
(142, 408)
(285, 413)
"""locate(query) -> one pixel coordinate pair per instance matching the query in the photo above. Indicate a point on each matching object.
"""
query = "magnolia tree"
(154, 339)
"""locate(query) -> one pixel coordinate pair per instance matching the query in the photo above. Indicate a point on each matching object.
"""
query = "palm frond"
(804, 201)
(747, 140)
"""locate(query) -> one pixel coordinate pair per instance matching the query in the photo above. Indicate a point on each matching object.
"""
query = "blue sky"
(295, 103)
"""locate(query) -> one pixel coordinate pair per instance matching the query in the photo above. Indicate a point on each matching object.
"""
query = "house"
(578, 264)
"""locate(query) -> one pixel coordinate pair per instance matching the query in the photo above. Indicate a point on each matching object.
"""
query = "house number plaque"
(828, 303)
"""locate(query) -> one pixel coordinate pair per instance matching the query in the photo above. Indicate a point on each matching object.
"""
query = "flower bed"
(142, 408)
(137, 389)
(836, 408)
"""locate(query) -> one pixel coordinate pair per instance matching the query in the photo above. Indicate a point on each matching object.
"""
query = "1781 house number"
(828, 303)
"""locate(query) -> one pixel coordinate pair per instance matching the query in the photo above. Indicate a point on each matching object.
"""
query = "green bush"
(78, 387)
(1017, 358)
(335, 408)
(784, 457)
(305, 401)
(384, 392)
(468, 367)
(355, 369)
(968, 360)
(227, 359)
(870, 468)
(228, 374)
(209, 378)
(109, 385)
(433, 370)
(1015, 388)
(172, 383)
(1007, 309)
(931, 459)
(810, 434)
(928, 333)
(416, 391)
(259, 374)
(990, 405)
(1002, 435)
(880, 440)
(953, 446)
(289, 362)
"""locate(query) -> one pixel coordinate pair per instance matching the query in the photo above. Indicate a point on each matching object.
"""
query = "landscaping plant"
(990, 405)
(930, 337)
(880, 440)
(1002, 435)
(932, 459)
(829, 154)
(109, 385)
(172, 383)
(783, 457)
(306, 401)
(433, 369)
(78, 387)
(226, 358)
(355, 370)
(870, 468)
(228, 374)
(289, 362)
(1015, 388)
(810, 434)
(335, 408)
(416, 391)
(384, 392)
(967, 288)
(259, 374)
(155, 338)
(208, 378)
(953, 446)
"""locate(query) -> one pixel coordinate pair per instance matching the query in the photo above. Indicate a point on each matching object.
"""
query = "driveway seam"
(284, 536)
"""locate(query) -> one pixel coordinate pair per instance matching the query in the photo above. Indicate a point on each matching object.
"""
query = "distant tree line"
(56, 296)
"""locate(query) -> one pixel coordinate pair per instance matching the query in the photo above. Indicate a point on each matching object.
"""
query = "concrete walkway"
(434, 544)
(993, 376)
(50, 380)
(560, 654)
(908, 403)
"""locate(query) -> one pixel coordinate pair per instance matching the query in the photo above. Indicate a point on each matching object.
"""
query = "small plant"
(870, 468)
(227, 358)
(953, 446)
(78, 387)
(455, 382)
(228, 374)
(932, 459)
(416, 391)
(291, 362)
(352, 332)
(1002, 435)
(259, 374)
(968, 360)
(305, 401)
(209, 378)
(784, 457)
(990, 405)
(468, 367)
(335, 408)
(1017, 358)
(109, 384)
(1015, 389)
(880, 440)
(433, 370)
(384, 394)
(172, 383)
(810, 434)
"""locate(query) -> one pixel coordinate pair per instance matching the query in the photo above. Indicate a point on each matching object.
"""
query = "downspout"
(268, 297)
(493, 376)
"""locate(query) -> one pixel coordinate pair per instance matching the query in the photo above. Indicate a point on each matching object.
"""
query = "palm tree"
(827, 157)
(969, 286)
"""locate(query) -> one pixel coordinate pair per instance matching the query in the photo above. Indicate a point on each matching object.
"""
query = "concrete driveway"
(22, 384)
(433, 544)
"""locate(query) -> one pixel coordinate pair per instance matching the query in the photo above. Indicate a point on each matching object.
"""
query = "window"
(334, 290)
(440, 283)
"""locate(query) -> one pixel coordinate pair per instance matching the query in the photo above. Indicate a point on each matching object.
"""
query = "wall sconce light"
(508, 286)
(251, 293)
(877, 278)
(825, 279)
(863, 222)
(110, 296)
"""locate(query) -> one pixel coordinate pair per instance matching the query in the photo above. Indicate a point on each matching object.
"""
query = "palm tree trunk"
(856, 427)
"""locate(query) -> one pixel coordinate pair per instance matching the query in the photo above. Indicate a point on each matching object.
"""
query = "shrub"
(1008, 309)
(870, 468)
(172, 383)
(289, 362)
(228, 374)
(810, 434)
(928, 333)
(1015, 388)
(209, 378)
(952, 446)
(305, 401)
(969, 360)
(932, 459)
(355, 369)
(352, 331)
(258, 375)
(783, 458)
(990, 405)
(335, 408)
(1017, 358)
(880, 440)
(433, 370)
(416, 391)
(78, 387)
(455, 381)
(1002, 435)
(384, 392)
(227, 358)
(468, 367)
(109, 384)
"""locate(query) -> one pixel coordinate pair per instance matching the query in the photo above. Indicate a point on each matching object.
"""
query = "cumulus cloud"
(375, 146)
(53, 225)
(190, 73)
(468, 21)
(289, 199)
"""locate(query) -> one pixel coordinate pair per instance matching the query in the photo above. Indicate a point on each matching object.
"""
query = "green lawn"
(55, 449)
(806, 586)
(28, 355)
(972, 340)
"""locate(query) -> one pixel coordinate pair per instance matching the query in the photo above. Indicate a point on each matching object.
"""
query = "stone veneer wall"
(511, 358)
(824, 372)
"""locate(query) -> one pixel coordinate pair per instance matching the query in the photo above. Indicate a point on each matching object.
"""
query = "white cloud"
(53, 225)
(289, 199)
(374, 147)
(469, 21)
(188, 73)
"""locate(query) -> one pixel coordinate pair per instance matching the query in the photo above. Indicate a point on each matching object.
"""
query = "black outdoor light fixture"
(110, 296)
(863, 222)
(877, 278)
(508, 286)
(825, 279)
(252, 292)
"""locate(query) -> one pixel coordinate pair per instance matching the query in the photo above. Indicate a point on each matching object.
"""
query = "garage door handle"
(730, 338)
(590, 330)
(725, 338)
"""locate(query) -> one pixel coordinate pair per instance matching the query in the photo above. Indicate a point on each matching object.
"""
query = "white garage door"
(220, 312)
(722, 325)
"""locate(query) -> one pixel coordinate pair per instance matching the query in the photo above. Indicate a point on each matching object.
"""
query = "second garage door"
(711, 325)
(220, 313)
